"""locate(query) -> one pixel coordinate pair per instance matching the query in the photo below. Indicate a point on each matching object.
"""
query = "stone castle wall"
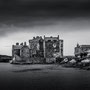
(38, 50)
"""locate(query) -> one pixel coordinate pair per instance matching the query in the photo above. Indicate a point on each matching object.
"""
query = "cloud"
(43, 25)
(24, 15)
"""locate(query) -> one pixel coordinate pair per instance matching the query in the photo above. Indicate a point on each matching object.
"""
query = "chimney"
(17, 43)
(25, 44)
(33, 37)
(44, 36)
(21, 44)
(58, 36)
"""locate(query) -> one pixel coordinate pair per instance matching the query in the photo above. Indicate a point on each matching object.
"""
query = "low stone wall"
(37, 60)
(50, 60)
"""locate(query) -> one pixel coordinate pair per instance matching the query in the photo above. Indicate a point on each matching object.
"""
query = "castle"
(82, 50)
(39, 50)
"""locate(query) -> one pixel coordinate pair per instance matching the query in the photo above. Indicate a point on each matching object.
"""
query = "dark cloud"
(30, 5)
(30, 13)
(46, 8)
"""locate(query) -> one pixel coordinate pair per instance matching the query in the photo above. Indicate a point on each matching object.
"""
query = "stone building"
(36, 47)
(53, 46)
(82, 50)
(20, 53)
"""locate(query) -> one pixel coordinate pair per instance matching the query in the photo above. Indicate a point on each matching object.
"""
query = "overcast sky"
(20, 20)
